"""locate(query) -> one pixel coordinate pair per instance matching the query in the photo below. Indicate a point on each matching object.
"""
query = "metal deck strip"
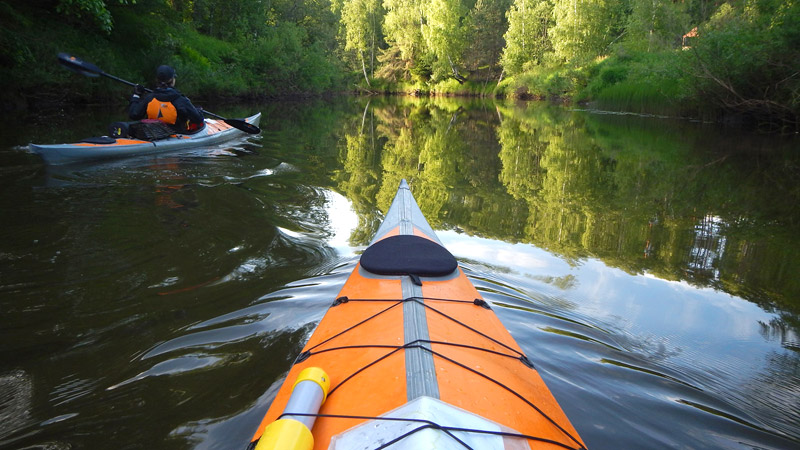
(420, 370)
(406, 213)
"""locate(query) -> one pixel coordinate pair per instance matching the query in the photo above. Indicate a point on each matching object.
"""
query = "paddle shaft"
(108, 75)
(209, 113)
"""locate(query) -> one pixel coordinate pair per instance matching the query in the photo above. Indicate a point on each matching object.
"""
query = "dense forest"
(736, 60)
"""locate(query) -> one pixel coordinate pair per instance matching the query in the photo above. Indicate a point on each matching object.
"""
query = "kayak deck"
(214, 132)
(409, 338)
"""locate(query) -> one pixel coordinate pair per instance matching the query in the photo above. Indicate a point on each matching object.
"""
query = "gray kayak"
(214, 132)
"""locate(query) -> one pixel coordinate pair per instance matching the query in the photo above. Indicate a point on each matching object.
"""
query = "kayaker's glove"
(138, 91)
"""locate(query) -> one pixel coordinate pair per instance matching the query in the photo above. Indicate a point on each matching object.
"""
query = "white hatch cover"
(374, 433)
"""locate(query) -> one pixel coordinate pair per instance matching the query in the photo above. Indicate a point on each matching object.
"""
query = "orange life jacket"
(163, 111)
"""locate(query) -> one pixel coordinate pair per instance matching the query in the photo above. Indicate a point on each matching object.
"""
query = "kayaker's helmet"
(165, 74)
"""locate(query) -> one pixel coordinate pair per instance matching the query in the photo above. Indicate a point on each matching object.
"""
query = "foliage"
(656, 25)
(527, 38)
(747, 62)
(403, 29)
(94, 10)
(584, 29)
(485, 24)
(362, 21)
(279, 56)
(444, 35)
(224, 51)
(543, 82)
(736, 59)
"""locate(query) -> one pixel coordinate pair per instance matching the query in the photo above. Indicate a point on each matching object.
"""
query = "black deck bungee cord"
(395, 348)
(416, 344)
(419, 344)
(421, 301)
(430, 424)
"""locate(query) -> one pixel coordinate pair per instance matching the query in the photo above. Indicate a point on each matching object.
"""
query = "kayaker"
(166, 104)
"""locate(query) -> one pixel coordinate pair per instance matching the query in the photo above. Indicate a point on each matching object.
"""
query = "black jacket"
(189, 118)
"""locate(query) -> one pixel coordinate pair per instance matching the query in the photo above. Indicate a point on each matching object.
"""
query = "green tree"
(445, 35)
(527, 38)
(94, 10)
(701, 10)
(362, 21)
(406, 52)
(747, 59)
(655, 25)
(584, 28)
(487, 23)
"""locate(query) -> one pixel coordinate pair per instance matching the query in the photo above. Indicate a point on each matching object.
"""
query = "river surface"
(647, 266)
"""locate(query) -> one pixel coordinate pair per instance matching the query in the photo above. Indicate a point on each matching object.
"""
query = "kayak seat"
(408, 255)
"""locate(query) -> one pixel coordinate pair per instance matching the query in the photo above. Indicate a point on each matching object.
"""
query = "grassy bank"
(667, 83)
(644, 84)
(446, 88)
(740, 65)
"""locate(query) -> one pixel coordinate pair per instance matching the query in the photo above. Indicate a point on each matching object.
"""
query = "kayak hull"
(391, 339)
(215, 132)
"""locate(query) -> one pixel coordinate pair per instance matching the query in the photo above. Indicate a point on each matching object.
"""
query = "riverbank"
(663, 84)
(738, 69)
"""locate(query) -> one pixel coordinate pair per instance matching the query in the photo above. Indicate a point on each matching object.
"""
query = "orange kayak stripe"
(119, 142)
(465, 389)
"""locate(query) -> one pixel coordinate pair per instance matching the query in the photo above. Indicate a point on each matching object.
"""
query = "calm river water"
(647, 266)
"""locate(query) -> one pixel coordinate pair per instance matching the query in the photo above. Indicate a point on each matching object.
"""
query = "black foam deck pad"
(408, 255)
(99, 140)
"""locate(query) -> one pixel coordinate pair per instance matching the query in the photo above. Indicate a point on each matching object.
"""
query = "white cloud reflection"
(343, 220)
(693, 319)
(520, 258)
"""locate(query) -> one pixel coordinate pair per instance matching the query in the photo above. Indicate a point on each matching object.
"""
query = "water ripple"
(185, 364)
(638, 371)
(16, 402)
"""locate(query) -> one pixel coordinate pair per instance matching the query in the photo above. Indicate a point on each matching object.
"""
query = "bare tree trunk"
(372, 48)
(364, 116)
(364, 67)
(456, 75)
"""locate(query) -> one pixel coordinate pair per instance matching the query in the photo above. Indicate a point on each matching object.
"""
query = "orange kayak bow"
(409, 356)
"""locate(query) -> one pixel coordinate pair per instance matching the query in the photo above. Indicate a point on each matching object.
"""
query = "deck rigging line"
(430, 424)
(421, 344)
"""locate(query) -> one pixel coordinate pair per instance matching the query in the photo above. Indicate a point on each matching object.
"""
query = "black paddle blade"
(76, 65)
(240, 124)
